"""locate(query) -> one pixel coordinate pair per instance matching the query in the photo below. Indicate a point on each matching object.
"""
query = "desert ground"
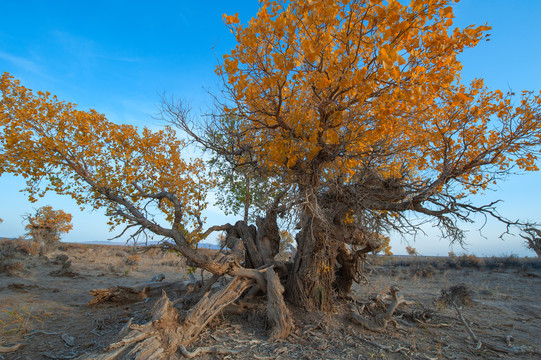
(44, 307)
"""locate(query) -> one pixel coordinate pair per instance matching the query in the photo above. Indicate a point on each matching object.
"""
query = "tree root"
(380, 321)
(166, 334)
(277, 312)
(163, 336)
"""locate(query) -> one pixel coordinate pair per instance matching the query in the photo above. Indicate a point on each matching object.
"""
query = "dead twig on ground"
(380, 321)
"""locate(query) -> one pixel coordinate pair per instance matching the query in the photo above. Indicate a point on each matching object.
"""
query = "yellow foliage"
(47, 218)
(324, 87)
(411, 251)
(56, 147)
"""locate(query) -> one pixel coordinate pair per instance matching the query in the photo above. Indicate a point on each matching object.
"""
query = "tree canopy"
(366, 96)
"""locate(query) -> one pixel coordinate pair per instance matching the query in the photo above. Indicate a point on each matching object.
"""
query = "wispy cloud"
(19, 61)
(87, 51)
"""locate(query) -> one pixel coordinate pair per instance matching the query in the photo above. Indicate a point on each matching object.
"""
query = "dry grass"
(16, 319)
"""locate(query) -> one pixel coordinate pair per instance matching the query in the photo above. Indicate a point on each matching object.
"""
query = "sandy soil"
(45, 309)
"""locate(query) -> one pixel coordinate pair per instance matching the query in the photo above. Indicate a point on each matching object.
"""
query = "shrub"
(133, 259)
(46, 227)
(470, 261)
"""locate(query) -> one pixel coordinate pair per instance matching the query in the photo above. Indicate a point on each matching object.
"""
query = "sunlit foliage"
(120, 168)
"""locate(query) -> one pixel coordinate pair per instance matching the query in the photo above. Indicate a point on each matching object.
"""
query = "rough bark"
(347, 271)
(268, 236)
(165, 335)
(277, 312)
(247, 234)
(309, 283)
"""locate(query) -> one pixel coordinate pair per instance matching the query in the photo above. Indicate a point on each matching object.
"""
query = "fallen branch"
(125, 295)
(117, 295)
(163, 336)
(468, 329)
(380, 321)
(400, 349)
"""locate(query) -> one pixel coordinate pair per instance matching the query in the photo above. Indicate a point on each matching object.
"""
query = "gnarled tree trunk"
(309, 284)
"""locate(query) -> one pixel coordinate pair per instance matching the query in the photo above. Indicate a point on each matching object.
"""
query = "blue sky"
(118, 56)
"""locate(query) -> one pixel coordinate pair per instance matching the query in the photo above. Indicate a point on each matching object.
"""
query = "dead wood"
(216, 350)
(166, 334)
(379, 322)
(116, 295)
(9, 349)
(477, 342)
(129, 294)
(277, 312)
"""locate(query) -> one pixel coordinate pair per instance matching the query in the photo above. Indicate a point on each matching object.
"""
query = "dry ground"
(45, 308)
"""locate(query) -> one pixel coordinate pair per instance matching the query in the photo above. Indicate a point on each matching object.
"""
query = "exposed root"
(380, 321)
(277, 312)
(163, 336)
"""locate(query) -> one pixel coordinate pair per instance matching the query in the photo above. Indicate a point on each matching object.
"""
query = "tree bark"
(347, 271)
(277, 312)
(309, 283)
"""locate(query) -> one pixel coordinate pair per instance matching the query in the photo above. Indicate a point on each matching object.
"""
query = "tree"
(354, 109)
(532, 235)
(135, 175)
(46, 227)
(358, 107)
(411, 251)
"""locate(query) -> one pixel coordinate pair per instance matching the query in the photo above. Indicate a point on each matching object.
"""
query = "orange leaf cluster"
(47, 218)
(328, 88)
(56, 147)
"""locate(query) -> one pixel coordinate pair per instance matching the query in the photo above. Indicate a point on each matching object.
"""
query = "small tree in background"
(532, 237)
(46, 227)
(411, 251)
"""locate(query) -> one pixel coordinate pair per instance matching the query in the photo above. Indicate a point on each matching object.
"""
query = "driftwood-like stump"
(380, 321)
(166, 335)
(124, 295)
(116, 295)
(277, 312)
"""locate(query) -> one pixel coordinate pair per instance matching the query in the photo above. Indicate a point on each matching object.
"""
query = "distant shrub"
(18, 246)
(422, 270)
(46, 227)
(470, 261)
(411, 251)
(133, 259)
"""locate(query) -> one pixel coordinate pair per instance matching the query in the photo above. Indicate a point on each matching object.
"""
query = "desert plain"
(47, 310)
